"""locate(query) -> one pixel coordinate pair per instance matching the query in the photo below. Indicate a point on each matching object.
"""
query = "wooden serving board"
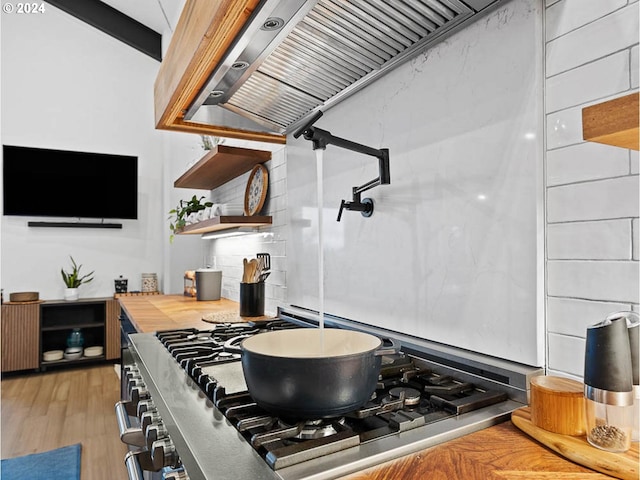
(577, 449)
(135, 294)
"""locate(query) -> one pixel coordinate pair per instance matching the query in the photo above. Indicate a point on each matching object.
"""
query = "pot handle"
(393, 349)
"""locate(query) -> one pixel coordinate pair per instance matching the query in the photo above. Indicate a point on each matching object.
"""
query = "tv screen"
(56, 183)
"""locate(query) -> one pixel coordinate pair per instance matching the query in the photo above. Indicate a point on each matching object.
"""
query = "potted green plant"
(208, 142)
(73, 280)
(178, 216)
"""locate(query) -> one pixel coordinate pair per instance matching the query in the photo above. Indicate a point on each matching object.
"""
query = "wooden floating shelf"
(224, 223)
(614, 122)
(221, 164)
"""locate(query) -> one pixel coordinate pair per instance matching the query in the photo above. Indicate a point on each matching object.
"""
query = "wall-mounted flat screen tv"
(56, 183)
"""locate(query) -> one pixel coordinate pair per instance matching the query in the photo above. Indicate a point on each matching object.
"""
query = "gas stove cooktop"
(426, 394)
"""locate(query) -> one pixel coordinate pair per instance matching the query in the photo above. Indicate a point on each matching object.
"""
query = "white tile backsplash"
(604, 36)
(605, 240)
(635, 237)
(602, 78)
(599, 280)
(564, 128)
(568, 354)
(600, 199)
(568, 15)
(634, 67)
(585, 161)
(571, 316)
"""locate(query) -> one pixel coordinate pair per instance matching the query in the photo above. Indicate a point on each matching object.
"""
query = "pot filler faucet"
(321, 138)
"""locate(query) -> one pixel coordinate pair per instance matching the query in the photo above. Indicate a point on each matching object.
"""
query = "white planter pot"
(71, 294)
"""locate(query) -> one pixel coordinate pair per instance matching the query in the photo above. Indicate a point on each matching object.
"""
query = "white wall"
(451, 252)
(66, 85)
(591, 189)
(185, 252)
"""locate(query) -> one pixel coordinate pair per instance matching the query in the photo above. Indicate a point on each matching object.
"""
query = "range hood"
(295, 57)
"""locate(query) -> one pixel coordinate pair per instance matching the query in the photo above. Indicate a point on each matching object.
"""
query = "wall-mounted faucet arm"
(321, 138)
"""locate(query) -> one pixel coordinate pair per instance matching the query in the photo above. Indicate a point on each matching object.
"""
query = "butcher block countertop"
(496, 453)
(169, 312)
(501, 452)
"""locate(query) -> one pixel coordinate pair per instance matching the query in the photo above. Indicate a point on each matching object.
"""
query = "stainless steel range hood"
(294, 57)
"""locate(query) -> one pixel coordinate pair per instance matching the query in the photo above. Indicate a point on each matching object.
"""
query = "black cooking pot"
(311, 373)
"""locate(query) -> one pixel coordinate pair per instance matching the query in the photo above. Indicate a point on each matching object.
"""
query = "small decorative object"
(95, 351)
(24, 297)
(75, 338)
(73, 280)
(190, 283)
(121, 284)
(73, 353)
(52, 355)
(256, 192)
(180, 214)
(149, 282)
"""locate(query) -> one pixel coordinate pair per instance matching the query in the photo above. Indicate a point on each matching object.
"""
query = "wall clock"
(256, 192)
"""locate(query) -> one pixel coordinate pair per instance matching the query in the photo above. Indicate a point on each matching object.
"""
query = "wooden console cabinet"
(30, 329)
(20, 334)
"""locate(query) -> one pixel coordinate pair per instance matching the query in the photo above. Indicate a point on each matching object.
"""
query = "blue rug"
(60, 464)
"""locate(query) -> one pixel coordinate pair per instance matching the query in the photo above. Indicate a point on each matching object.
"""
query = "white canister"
(149, 282)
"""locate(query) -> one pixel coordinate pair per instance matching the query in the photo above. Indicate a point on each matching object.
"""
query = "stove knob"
(155, 432)
(209, 386)
(138, 393)
(187, 363)
(202, 379)
(144, 406)
(131, 369)
(163, 454)
(196, 372)
(135, 382)
(149, 417)
(132, 375)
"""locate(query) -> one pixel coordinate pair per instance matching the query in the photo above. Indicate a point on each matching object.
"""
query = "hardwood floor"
(43, 411)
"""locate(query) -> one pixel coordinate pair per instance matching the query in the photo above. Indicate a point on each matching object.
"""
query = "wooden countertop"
(496, 453)
(169, 312)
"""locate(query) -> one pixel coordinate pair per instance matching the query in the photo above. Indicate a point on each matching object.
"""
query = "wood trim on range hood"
(261, 69)
(614, 122)
(205, 31)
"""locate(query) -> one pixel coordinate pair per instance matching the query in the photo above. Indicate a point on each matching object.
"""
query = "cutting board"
(577, 449)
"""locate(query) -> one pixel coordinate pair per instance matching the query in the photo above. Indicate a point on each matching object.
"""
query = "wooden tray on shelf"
(577, 449)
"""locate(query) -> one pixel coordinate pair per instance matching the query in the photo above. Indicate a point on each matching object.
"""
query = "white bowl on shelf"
(73, 353)
(52, 355)
(93, 351)
(232, 209)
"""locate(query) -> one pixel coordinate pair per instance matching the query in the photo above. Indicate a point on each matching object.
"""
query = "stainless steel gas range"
(187, 414)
